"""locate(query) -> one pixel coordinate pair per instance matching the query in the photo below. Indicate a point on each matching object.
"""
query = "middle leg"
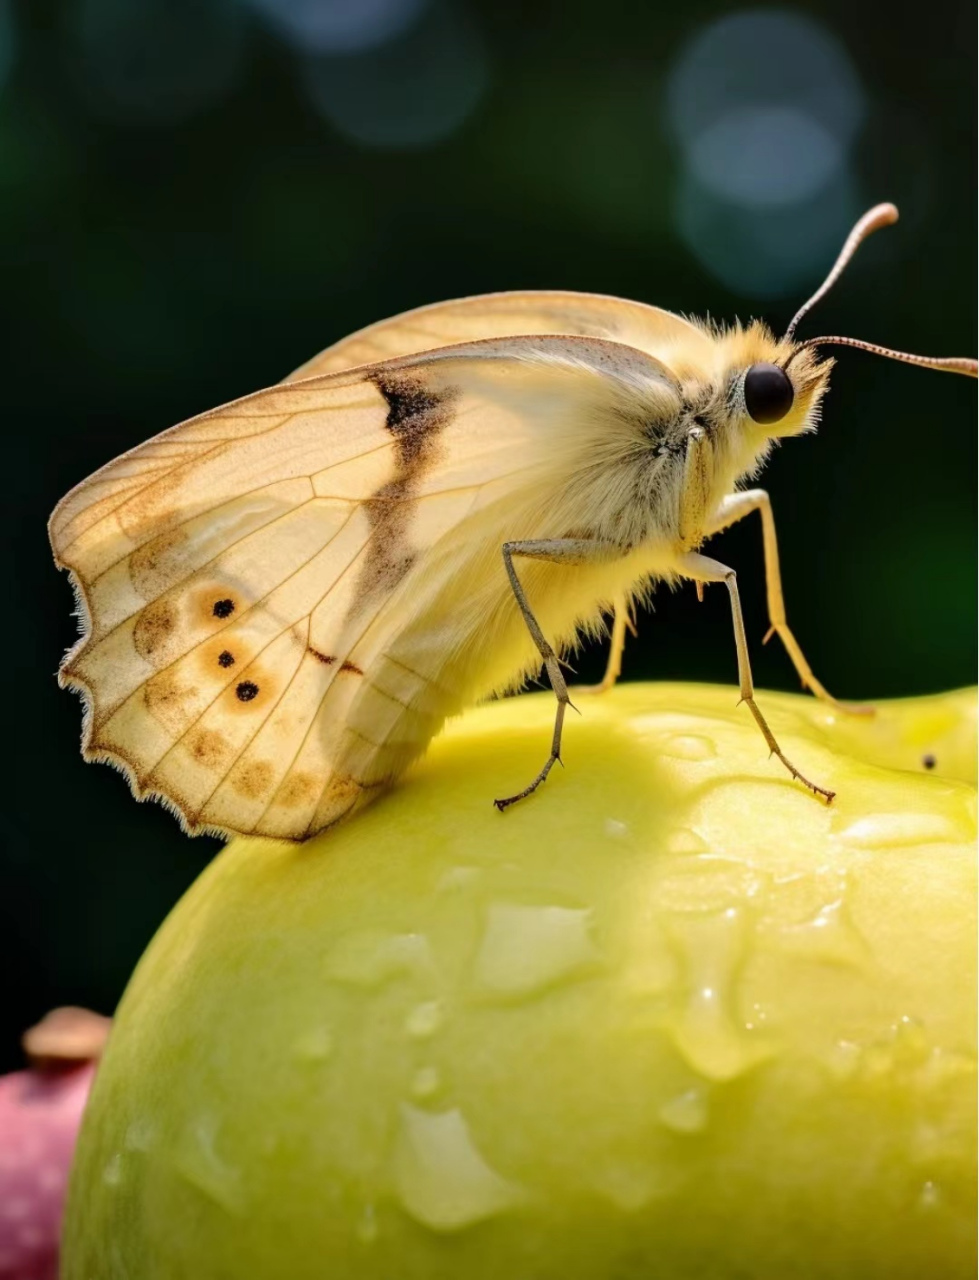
(621, 622)
(702, 569)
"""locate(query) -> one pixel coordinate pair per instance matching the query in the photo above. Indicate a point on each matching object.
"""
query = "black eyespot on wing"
(223, 608)
(929, 761)
(226, 659)
(246, 691)
(768, 393)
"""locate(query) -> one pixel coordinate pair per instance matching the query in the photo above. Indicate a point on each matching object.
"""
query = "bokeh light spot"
(410, 93)
(772, 252)
(764, 105)
(339, 26)
(765, 156)
(764, 57)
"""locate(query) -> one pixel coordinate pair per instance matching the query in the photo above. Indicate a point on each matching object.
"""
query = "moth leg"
(735, 507)
(613, 668)
(568, 551)
(701, 569)
(698, 474)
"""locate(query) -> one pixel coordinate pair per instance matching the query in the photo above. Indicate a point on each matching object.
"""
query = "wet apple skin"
(671, 1016)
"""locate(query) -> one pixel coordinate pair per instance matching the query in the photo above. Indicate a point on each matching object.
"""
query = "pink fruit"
(40, 1110)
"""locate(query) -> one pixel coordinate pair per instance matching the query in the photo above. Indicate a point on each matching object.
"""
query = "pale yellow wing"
(282, 599)
(682, 345)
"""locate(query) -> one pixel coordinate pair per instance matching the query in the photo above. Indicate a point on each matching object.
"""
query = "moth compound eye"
(768, 393)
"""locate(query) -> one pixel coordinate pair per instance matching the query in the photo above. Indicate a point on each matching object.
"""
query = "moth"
(282, 600)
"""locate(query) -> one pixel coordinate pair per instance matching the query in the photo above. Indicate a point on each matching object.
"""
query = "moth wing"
(245, 578)
(666, 336)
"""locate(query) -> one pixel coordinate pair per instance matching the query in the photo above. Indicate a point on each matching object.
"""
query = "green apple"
(673, 1017)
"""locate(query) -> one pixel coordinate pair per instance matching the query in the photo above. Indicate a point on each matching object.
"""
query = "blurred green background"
(198, 195)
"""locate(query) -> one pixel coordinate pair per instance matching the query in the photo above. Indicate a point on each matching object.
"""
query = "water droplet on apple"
(425, 1083)
(930, 1196)
(424, 1019)
(370, 957)
(140, 1134)
(526, 949)
(617, 830)
(687, 1112)
(689, 746)
(113, 1171)
(897, 830)
(441, 1177)
(197, 1160)
(706, 1032)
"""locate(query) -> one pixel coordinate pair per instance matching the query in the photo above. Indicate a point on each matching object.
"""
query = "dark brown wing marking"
(416, 415)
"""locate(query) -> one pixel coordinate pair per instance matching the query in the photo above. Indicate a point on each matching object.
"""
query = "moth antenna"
(948, 364)
(881, 215)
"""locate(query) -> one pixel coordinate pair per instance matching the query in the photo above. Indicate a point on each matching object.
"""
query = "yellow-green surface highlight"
(672, 1017)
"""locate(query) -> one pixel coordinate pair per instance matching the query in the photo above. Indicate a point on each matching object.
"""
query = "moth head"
(774, 385)
(798, 366)
(783, 380)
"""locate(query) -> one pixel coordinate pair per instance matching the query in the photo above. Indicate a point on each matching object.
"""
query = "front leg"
(569, 551)
(701, 569)
(735, 507)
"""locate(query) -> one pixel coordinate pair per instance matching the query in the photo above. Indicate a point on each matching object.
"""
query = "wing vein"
(319, 707)
(244, 612)
(190, 459)
(196, 721)
(259, 727)
(247, 493)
